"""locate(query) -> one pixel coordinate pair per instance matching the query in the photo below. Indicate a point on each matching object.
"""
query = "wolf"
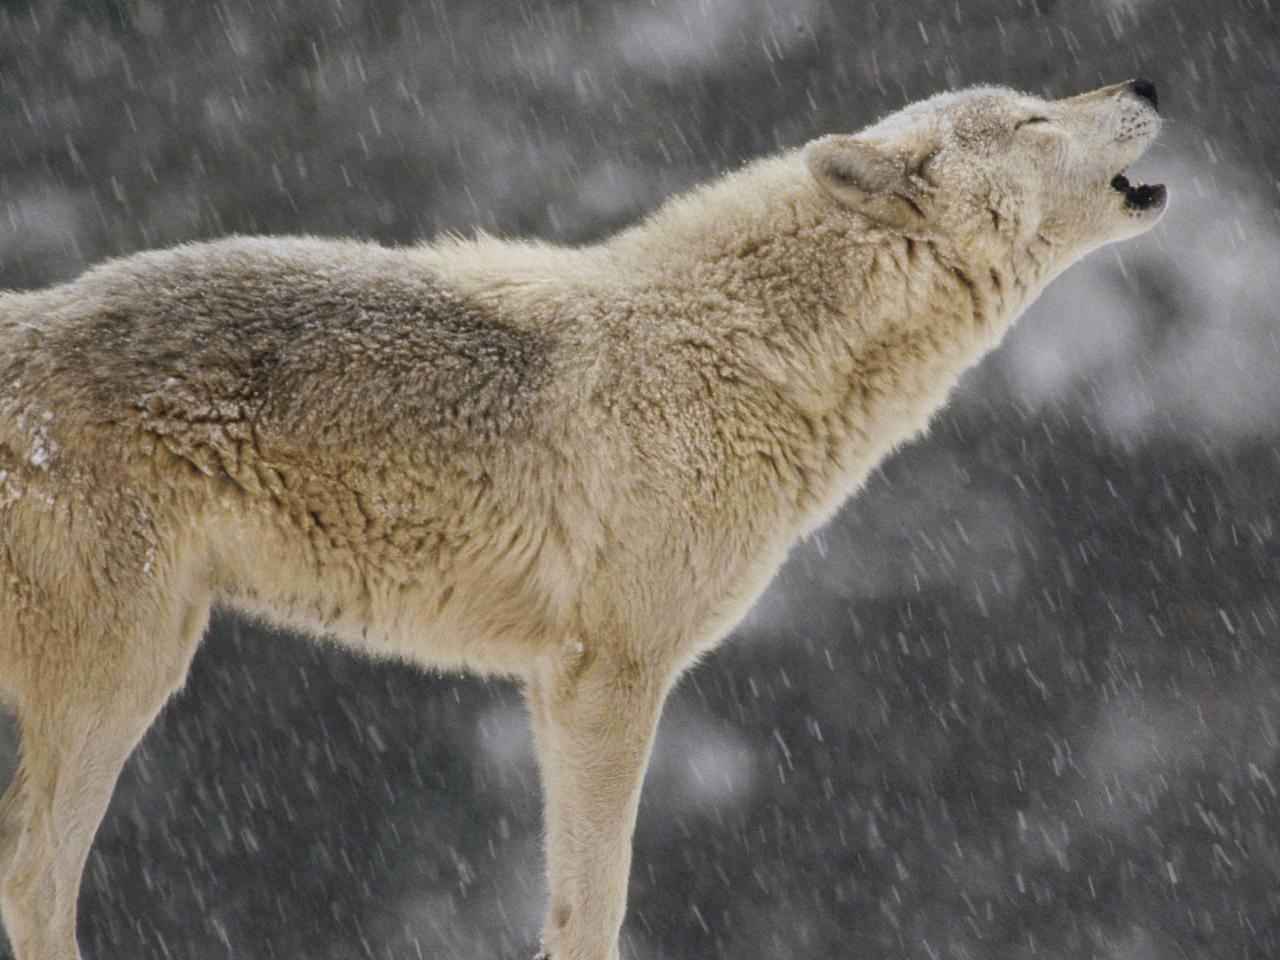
(577, 467)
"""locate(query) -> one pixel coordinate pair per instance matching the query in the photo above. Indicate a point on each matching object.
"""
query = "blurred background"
(1019, 700)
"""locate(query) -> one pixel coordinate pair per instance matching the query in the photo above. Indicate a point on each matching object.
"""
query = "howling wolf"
(577, 467)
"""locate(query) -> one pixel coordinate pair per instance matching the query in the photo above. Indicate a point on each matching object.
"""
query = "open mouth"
(1139, 196)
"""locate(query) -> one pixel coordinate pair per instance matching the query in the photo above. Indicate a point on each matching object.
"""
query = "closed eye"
(1022, 123)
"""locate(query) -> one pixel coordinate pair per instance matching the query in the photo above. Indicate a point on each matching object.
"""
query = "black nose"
(1144, 89)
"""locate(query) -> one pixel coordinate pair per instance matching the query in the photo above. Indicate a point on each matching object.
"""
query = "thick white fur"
(576, 466)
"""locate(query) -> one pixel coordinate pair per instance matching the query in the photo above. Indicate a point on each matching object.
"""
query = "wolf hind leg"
(11, 819)
(77, 733)
(68, 776)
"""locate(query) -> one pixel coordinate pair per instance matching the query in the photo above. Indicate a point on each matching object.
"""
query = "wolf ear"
(867, 179)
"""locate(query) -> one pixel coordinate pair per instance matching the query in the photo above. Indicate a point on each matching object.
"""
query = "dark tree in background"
(1020, 700)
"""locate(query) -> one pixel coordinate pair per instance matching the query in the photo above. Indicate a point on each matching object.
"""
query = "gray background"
(1019, 700)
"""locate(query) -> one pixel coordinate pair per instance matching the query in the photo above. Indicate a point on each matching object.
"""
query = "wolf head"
(1000, 172)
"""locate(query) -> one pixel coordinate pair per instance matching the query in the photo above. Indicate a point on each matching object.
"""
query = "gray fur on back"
(312, 341)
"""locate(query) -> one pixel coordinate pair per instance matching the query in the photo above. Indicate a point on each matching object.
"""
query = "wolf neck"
(853, 336)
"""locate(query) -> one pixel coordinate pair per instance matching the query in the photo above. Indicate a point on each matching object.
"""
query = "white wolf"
(578, 467)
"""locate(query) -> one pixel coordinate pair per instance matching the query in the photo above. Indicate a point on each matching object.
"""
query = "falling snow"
(1021, 699)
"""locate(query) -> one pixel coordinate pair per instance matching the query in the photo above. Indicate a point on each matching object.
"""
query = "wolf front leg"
(594, 723)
